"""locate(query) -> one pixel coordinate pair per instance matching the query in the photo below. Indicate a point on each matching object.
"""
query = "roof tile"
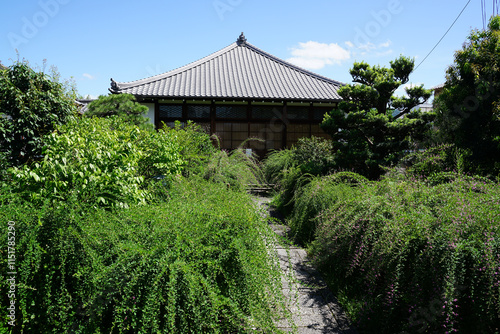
(238, 71)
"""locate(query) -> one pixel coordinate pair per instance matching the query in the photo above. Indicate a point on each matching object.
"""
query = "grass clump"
(236, 170)
(290, 169)
(316, 196)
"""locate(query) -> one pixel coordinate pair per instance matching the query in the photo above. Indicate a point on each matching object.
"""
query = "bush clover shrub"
(413, 258)
(197, 263)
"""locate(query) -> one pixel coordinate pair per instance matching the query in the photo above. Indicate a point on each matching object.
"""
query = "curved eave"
(239, 71)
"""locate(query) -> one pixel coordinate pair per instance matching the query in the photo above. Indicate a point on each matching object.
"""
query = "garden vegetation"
(415, 250)
(124, 229)
(120, 228)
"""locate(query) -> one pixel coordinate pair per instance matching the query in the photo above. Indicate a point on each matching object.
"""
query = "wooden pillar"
(249, 116)
(311, 118)
(184, 111)
(285, 122)
(157, 114)
(213, 125)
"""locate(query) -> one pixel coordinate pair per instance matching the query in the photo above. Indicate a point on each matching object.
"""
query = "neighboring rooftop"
(238, 71)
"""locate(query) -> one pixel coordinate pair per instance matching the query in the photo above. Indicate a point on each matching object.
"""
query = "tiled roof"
(238, 71)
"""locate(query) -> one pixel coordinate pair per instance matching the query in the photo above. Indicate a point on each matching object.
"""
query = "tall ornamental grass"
(410, 257)
(289, 169)
(199, 262)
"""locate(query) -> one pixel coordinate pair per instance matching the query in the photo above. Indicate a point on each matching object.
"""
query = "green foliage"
(288, 169)
(316, 196)
(197, 263)
(196, 147)
(407, 256)
(314, 155)
(102, 162)
(277, 163)
(122, 105)
(32, 105)
(468, 109)
(235, 170)
(367, 133)
(436, 159)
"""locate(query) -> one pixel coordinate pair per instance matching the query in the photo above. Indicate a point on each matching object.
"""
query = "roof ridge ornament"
(241, 40)
(114, 85)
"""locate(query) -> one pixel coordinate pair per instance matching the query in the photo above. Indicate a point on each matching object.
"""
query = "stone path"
(314, 308)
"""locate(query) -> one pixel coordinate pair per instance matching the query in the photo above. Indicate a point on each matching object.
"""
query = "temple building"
(237, 93)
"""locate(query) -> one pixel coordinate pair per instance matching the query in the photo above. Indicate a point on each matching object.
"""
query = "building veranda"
(237, 93)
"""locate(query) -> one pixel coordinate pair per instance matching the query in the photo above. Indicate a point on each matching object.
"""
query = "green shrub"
(314, 155)
(414, 258)
(103, 162)
(197, 263)
(347, 178)
(196, 147)
(123, 106)
(291, 168)
(316, 196)
(442, 158)
(32, 105)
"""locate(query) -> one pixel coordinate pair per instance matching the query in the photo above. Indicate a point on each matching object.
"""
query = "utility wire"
(482, 11)
(446, 33)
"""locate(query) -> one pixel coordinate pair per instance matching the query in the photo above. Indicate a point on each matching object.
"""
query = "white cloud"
(370, 49)
(89, 76)
(315, 55)
(386, 44)
(349, 44)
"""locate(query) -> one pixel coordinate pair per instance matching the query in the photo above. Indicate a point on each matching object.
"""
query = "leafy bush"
(314, 155)
(197, 263)
(32, 104)
(409, 257)
(442, 158)
(196, 147)
(347, 178)
(101, 161)
(276, 164)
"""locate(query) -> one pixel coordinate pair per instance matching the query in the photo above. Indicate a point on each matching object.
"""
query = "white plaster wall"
(151, 111)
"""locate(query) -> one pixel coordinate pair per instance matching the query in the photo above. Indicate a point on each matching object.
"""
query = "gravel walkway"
(314, 308)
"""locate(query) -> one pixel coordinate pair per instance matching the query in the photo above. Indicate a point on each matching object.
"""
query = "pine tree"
(121, 105)
(371, 127)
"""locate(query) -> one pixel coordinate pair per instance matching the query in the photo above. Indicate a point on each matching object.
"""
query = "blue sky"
(93, 41)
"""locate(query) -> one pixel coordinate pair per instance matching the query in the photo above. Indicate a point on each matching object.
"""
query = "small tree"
(32, 104)
(468, 110)
(122, 105)
(368, 127)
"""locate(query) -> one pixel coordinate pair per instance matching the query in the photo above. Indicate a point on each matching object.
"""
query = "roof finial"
(114, 85)
(241, 39)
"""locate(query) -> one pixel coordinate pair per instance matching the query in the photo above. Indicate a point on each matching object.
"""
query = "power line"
(482, 11)
(446, 33)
